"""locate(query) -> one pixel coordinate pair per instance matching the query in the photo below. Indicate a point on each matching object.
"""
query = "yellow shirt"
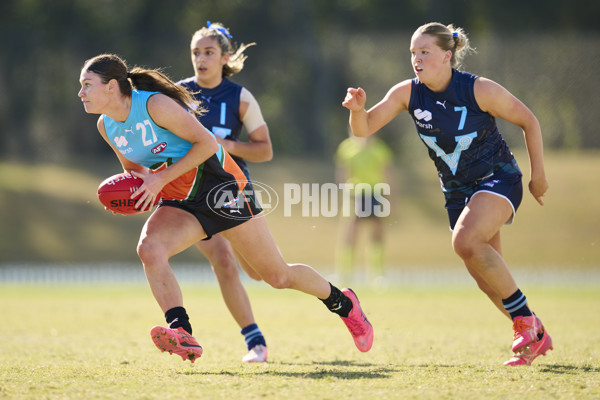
(365, 160)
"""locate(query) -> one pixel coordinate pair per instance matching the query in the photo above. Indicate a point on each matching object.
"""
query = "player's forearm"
(535, 149)
(359, 123)
(249, 151)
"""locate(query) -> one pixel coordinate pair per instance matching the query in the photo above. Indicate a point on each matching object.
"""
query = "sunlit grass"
(431, 342)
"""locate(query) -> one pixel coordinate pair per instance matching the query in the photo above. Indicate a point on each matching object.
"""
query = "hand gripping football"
(115, 192)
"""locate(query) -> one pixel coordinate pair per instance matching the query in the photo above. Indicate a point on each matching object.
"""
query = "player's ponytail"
(111, 66)
(449, 38)
(153, 80)
(461, 45)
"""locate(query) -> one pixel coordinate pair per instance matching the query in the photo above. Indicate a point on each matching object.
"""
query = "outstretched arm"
(365, 123)
(359, 120)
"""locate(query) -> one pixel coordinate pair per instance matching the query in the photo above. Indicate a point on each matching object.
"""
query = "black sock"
(337, 302)
(177, 318)
(516, 305)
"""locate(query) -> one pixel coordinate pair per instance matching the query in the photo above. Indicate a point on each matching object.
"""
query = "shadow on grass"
(336, 363)
(568, 369)
(351, 370)
(326, 373)
(553, 368)
(320, 370)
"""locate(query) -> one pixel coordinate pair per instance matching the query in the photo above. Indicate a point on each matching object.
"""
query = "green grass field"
(431, 342)
(91, 341)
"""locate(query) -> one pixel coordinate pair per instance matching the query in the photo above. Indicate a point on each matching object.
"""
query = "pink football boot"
(526, 330)
(176, 341)
(531, 352)
(358, 324)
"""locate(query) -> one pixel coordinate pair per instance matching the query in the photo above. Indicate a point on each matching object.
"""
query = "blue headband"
(455, 34)
(220, 30)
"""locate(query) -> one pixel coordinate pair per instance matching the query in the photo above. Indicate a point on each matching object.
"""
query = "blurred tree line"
(308, 53)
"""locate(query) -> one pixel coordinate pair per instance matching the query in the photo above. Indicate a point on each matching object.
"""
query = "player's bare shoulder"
(487, 93)
(166, 111)
(100, 125)
(399, 95)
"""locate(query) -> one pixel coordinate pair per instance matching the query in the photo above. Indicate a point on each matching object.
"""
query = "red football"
(115, 192)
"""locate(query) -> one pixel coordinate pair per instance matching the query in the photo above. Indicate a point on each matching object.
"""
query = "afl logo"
(159, 148)
(226, 201)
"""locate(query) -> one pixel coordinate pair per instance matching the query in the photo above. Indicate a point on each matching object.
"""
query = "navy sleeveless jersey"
(222, 103)
(463, 141)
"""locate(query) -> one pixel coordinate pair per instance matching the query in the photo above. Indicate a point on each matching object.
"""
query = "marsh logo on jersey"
(120, 141)
(425, 116)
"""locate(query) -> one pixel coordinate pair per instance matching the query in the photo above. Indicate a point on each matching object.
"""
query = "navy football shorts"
(506, 185)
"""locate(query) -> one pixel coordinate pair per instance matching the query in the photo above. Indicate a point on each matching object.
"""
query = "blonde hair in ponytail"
(449, 37)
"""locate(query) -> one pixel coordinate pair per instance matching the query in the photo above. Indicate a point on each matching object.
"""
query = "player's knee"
(150, 254)
(278, 280)
(462, 244)
(224, 265)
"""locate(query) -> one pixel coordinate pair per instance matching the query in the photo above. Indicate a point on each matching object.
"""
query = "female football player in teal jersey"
(454, 113)
(148, 122)
(229, 108)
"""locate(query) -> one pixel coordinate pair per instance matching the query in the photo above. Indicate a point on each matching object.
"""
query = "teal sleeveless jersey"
(141, 140)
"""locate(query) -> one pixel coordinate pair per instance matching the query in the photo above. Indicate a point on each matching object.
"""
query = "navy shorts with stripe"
(506, 185)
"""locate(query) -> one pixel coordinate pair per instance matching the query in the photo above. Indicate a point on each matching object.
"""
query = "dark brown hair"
(111, 66)
(217, 31)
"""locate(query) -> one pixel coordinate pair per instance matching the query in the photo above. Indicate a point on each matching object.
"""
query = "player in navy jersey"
(455, 115)
(149, 122)
(229, 108)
